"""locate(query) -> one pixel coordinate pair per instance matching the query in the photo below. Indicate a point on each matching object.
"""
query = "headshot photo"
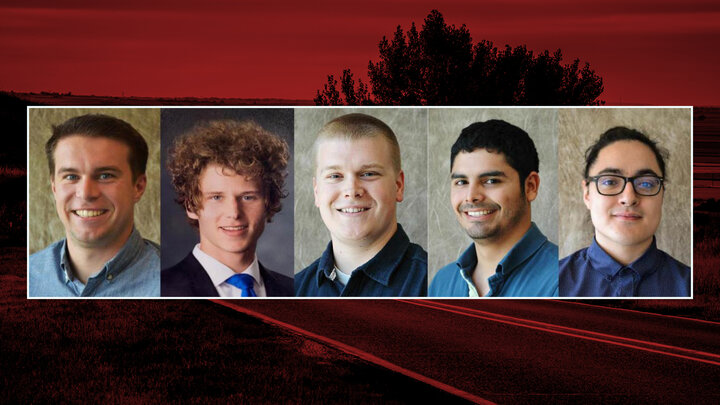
(227, 208)
(93, 219)
(493, 202)
(361, 229)
(625, 192)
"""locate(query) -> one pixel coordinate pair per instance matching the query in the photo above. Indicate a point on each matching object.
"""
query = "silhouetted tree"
(439, 65)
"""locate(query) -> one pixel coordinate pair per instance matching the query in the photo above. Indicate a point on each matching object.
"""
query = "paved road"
(510, 351)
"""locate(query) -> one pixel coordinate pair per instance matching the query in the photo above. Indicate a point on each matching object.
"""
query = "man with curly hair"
(229, 177)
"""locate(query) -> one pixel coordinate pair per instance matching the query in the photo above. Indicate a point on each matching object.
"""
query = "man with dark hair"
(229, 177)
(97, 175)
(623, 188)
(494, 178)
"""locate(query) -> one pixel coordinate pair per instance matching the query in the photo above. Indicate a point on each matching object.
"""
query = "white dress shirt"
(219, 273)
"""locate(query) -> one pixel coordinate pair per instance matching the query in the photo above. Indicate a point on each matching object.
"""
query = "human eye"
(249, 197)
(608, 181)
(648, 183)
(333, 176)
(71, 177)
(106, 176)
(369, 174)
(491, 181)
(459, 182)
(215, 197)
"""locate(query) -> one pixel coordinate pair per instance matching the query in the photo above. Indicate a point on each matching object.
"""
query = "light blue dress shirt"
(133, 272)
(529, 269)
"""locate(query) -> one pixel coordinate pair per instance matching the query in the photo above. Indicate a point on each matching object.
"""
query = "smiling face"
(356, 189)
(485, 192)
(626, 221)
(232, 216)
(94, 191)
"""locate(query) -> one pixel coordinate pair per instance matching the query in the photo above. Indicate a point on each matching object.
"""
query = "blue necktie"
(243, 282)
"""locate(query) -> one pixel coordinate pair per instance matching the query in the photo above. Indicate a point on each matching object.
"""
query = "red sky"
(648, 52)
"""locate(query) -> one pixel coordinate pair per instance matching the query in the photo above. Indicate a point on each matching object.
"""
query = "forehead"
(353, 153)
(480, 161)
(629, 157)
(219, 179)
(81, 152)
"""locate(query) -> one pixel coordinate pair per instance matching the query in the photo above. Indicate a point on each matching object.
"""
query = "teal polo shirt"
(529, 269)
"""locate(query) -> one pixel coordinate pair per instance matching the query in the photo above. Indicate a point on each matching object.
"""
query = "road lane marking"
(689, 354)
(357, 353)
(638, 312)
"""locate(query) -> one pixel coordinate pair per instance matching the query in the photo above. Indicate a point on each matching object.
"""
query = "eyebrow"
(113, 169)
(641, 172)
(362, 168)
(494, 173)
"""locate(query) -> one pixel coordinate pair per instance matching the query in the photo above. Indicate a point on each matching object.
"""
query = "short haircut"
(624, 134)
(357, 126)
(498, 136)
(101, 126)
(241, 146)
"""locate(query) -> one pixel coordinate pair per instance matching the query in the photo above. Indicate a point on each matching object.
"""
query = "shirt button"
(109, 277)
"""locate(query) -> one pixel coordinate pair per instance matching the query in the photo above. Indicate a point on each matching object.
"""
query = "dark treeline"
(440, 65)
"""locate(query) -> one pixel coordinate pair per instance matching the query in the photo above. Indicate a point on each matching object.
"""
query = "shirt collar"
(516, 256)
(219, 273)
(122, 259)
(380, 268)
(643, 266)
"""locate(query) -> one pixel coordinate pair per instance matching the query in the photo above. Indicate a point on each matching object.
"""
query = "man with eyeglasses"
(623, 188)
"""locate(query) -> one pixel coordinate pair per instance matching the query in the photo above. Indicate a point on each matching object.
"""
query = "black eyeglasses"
(610, 184)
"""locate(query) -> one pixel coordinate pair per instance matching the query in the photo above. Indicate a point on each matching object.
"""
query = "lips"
(352, 210)
(89, 213)
(627, 215)
(234, 228)
(476, 214)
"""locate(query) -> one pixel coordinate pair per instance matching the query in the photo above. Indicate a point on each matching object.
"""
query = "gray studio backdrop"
(44, 226)
(410, 127)
(275, 247)
(447, 238)
(579, 127)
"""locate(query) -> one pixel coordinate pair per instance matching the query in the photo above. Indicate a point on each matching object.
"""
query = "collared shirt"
(591, 272)
(398, 270)
(133, 272)
(529, 269)
(219, 273)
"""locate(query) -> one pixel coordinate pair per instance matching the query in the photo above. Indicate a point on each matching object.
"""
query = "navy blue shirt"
(529, 269)
(591, 272)
(398, 270)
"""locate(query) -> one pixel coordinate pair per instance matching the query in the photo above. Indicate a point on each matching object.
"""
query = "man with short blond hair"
(358, 182)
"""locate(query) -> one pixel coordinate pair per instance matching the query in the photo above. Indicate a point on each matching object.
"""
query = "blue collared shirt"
(529, 269)
(591, 272)
(398, 270)
(133, 272)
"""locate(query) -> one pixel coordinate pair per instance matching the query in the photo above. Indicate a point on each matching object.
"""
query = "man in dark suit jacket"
(229, 176)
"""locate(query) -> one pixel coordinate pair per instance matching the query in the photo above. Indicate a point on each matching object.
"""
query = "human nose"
(234, 208)
(353, 188)
(628, 197)
(475, 193)
(87, 189)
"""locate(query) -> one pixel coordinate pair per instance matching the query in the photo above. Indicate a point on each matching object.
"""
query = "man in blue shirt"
(97, 174)
(494, 178)
(623, 190)
(358, 182)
